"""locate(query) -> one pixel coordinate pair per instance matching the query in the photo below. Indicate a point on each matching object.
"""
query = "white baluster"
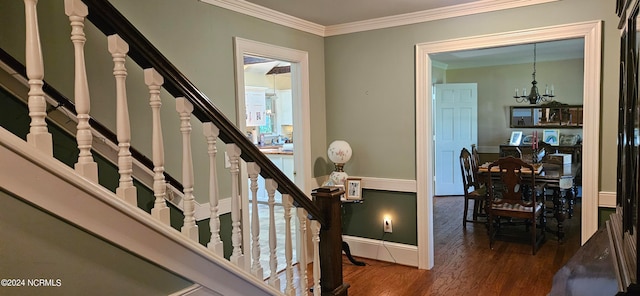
(211, 133)
(38, 135)
(86, 166)
(236, 233)
(271, 187)
(126, 191)
(302, 260)
(256, 268)
(189, 228)
(315, 230)
(160, 211)
(288, 247)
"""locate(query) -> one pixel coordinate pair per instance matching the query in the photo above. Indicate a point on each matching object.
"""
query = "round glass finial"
(339, 152)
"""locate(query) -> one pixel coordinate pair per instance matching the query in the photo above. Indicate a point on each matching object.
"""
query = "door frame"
(301, 114)
(592, 33)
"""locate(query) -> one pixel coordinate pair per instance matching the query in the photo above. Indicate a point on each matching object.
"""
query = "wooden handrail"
(110, 21)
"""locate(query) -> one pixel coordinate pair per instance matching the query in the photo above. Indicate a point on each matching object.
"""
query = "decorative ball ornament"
(339, 152)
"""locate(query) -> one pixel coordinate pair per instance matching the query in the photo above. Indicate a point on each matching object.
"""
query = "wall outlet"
(386, 225)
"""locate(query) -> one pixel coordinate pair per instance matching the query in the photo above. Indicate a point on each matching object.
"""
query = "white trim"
(269, 15)
(276, 17)
(381, 250)
(398, 185)
(301, 113)
(607, 199)
(429, 15)
(591, 32)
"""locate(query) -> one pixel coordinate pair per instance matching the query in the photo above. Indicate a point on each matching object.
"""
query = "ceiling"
(336, 12)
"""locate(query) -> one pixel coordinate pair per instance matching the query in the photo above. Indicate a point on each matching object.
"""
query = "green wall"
(38, 245)
(495, 93)
(365, 219)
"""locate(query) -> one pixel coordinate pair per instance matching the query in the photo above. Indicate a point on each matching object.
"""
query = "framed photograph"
(527, 140)
(551, 137)
(353, 188)
(515, 139)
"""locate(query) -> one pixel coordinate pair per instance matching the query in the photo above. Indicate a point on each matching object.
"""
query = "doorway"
(456, 126)
(296, 97)
(591, 32)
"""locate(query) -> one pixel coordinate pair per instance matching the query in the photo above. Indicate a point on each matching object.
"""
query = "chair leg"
(464, 215)
(490, 223)
(533, 236)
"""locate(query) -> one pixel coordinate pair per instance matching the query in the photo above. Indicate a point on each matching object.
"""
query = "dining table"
(557, 178)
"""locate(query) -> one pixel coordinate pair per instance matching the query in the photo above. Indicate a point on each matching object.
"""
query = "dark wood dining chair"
(514, 194)
(472, 188)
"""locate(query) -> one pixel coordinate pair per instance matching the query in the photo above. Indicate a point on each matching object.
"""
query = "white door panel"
(456, 127)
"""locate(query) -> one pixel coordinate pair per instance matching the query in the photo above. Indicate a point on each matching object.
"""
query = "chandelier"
(534, 96)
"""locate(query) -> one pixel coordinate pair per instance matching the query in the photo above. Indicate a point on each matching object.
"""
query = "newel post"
(327, 199)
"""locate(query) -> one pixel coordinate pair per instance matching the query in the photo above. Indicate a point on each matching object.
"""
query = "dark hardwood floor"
(464, 264)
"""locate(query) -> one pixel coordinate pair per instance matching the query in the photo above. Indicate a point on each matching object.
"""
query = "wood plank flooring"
(464, 264)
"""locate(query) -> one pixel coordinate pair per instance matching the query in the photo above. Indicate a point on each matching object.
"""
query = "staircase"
(29, 172)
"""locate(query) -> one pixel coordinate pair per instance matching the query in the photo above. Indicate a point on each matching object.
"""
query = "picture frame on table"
(516, 137)
(551, 137)
(527, 140)
(353, 188)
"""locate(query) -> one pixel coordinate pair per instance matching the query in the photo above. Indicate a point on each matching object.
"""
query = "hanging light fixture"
(534, 96)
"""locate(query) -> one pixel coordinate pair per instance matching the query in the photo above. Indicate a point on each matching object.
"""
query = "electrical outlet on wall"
(386, 225)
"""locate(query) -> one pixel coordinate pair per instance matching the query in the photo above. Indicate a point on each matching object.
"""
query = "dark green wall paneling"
(365, 219)
(603, 215)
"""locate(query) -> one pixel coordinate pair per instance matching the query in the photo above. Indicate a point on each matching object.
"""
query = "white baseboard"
(607, 199)
(383, 251)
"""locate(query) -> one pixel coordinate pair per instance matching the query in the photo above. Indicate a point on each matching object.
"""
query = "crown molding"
(269, 15)
(430, 15)
(276, 17)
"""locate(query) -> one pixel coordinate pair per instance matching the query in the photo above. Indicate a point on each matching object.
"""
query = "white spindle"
(160, 211)
(237, 257)
(189, 227)
(302, 260)
(271, 187)
(256, 268)
(38, 135)
(315, 230)
(126, 191)
(288, 247)
(211, 133)
(86, 166)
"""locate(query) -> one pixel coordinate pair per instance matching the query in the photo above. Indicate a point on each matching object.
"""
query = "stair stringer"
(100, 212)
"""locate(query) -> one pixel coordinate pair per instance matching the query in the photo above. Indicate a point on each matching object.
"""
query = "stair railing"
(125, 41)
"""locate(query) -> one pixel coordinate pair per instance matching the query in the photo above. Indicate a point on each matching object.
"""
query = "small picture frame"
(516, 137)
(551, 137)
(353, 189)
(527, 140)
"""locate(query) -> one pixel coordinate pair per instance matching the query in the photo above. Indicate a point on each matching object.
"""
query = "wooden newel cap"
(327, 191)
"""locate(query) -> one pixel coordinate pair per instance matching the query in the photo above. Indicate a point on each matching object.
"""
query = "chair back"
(469, 176)
(516, 182)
